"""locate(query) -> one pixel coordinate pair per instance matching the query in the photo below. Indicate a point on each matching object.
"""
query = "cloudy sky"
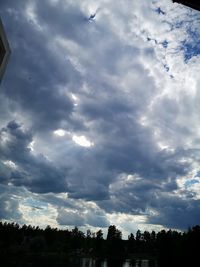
(100, 114)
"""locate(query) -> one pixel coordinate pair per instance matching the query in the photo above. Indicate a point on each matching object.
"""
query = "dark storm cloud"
(128, 148)
(35, 172)
(175, 212)
(135, 193)
(38, 73)
(122, 144)
(65, 19)
(96, 219)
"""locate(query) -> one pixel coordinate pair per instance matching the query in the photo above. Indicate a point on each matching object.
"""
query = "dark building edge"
(192, 4)
(7, 48)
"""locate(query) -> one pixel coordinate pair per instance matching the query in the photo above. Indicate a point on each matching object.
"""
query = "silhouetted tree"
(114, 233)
(115, 246)
(131, 243)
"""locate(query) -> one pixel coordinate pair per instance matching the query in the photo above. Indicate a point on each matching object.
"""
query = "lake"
(84, 262)
(88, 262)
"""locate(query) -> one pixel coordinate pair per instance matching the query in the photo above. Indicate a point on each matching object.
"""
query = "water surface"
(88, 262)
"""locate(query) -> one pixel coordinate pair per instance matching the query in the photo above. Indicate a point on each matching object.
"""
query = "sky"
(100, 115)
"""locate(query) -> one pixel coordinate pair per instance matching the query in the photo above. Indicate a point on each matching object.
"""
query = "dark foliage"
(29, 243)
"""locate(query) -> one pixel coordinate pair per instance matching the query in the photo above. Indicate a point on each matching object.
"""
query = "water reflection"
(87, 262)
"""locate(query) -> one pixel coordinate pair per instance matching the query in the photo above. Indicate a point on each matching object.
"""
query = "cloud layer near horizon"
(100, 116)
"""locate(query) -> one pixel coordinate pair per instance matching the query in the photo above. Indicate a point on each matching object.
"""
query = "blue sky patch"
(190, 49)
(191, 46)
(191, 182)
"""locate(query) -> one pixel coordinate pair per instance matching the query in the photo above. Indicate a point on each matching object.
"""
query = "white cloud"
(10, 164)
(60, 132)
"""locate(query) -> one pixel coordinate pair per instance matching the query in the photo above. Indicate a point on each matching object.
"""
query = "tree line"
(168, 247)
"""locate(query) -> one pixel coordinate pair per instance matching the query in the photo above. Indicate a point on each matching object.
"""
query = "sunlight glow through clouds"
(82, 141)
(40, 217)
(10, 164)
(79, 140)
(131, 223)
(31, 146)
(32, 16)
(189, 183)
(75, 99)
(60, 132)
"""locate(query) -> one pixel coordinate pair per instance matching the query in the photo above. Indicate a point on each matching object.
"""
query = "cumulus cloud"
(176, 212)
(9, 205)
(102, 111)
(89, 217)
(70, 218)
